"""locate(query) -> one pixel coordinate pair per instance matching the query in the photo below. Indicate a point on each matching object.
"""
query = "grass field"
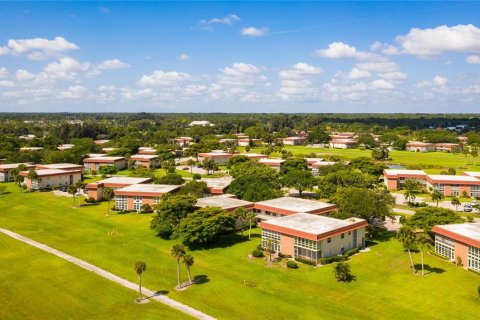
(235, 286)
(38, 285)
(435, 160)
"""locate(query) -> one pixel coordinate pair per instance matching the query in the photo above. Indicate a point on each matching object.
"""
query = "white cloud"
(73, 92)
(6, 83)
(440, 81)
(296, 82)
(66, 68)
(435, 41)
(37, 48)
(337, 50)
(3, 72)
(162, 78)
(474, 59)
(184, 57)
(254, 32)
(113, 64)
(378, 67)
(397, 75)
(24, 75)
(381, 84)
(228, 20)
(354, 74)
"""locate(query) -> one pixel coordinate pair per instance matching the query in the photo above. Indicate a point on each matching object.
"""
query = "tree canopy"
(170, 212)
(426, 218)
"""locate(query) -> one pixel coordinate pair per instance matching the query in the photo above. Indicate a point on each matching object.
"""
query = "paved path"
(110, 276)
(405, 211)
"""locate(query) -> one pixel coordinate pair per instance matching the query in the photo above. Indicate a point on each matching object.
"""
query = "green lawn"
(435, 160)
(38, 285)
(241, 288)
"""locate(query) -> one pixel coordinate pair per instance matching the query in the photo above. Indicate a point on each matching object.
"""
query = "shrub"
(478, 290)
(146, 208)
(257, 253)
(402, 219)
(196, 176)
(458, 261)
(470, 219)
(90, 200)
(328, 260)
(286, 256)
(305, 261)
(292, 264)
(259, 247)
(351, 252)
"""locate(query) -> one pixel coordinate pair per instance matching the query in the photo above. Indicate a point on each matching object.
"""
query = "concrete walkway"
(404, 211)
(110, 276)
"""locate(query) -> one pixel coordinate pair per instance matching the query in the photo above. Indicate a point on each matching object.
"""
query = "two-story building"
(95, 189)
(146, 160)
(93, 164)
(6, 170)
(285, 206)
(134, 196)
(51, 178)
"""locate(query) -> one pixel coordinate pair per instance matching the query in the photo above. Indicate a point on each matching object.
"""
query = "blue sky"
(240, 56)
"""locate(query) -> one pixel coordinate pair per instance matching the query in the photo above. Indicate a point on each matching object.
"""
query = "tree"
(177, 252)
(170, 179)
(342, 272)
(366, 165)
(204, 226)
(269, 248)
(17, 178)
(251, 217)
(191, 163)
(411, 187)
(240, 214)
(235, 160)
(108, 195)
(142, 172)
(140, 267)
(407, 237)
(169, 165)
(465, 153)
(300, 180)
(79, 185)
(298, 164)
(474, 154)
(170, 213)
(194, 188)
(72, 190)
(328, 184)
(436, 195)
(209, 165)
(422, 239)
(318, 135)
(32, 174)
(367, 141)
(426, 218)
(188, 262)
(455, 202)
(371, 205)
(107, 170)
(380, 153)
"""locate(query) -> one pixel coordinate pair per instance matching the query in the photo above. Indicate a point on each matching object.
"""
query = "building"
(97, 155)
(202, 123)
(315, 167)
(276, 164)
(5, 170)
(61, 166)
(311, 236)
(146, 160)
(183, 141)
(100, 142)
(218, 157)
(234, 142)
(394, 178)
(459, 240)
(95, 189)
(418, 146)
(51, 178)
(28, 137)
(217, 186)
(448, 147)
(147, 150)
(343, 143)
(63, 147)
(31, 148)
(256, 156)
(226, 202)
(133, 197)
(108, 149)
(243, 142)
(285, 206)
(93, 164)
(293, 141)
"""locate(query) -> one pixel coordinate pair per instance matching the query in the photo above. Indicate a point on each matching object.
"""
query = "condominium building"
(226, 202)
(135, 196)
(95, 189)
(146, 160)
(93, 164)
(5, 170)
(51, 178)
(289, 205)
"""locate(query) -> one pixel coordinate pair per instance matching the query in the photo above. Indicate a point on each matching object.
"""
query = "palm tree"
(474, 154)
(241, 216)
(407, 237)
(191, 163)
(436, 195)
(251, 216)
(108, 195)
(178, 251)
(72, 190)
(411, 188)
(422, 239)
(455, 202)
(140, 268)
(465, 153)
(188, 262)
(32, 175)
(80, 185)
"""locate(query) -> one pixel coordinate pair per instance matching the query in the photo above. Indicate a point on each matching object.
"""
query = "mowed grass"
(405, 158)
(37, 285)
(238, 287)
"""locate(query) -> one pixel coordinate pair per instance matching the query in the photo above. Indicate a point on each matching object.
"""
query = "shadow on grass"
(200, 279)
(5, 193)
(89, 204)
(222, 242)
(158, 293)
(428, 269)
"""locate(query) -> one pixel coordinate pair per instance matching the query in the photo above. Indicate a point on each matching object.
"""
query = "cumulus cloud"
(113, 64)
(66, 68)
(296, 82)
(354, 74)
(440, 81)
(3, 72)
(474, 59)
(184, 57)
(378, 67)
(337, 50)
(24, 75)
(228, 20)
(397, 75)
(6, 83)
(72, 93)
(37, 48)
(254, 32)
(162, 78)
(435, 41)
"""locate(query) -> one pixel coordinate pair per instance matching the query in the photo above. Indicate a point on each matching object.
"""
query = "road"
(110, 276)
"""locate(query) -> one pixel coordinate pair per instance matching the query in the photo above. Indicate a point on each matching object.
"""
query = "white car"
(467, 208)
(473, 203)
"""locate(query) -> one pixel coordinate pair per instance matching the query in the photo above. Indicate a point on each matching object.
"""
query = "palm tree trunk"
(140, 287)
(250, 230)
(423, 269)
(178, 271)
(411, 261)
(189, 275)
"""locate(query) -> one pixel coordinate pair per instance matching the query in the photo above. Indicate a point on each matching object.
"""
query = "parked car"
(467, 208)
(473, 203)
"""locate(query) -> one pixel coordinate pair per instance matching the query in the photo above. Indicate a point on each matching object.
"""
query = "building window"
(121, 203)
(474, 258)
(329, 240)
(475, 191)
(156, 200)
(274, 237)
(455, 190)
(444, 247)
(439, 187)
(342, 235)
(137, 203)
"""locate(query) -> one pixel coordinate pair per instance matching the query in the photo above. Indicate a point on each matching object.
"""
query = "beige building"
(51, 178)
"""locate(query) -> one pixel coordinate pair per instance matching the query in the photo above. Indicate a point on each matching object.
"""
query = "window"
(329, 240)
(121, 203)
(444, 247)
(137, 203)
(454, 190)
(474, 258)
(440, 187)
(274, 237)
(342, 235)
(475, 191)
(156, 200)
